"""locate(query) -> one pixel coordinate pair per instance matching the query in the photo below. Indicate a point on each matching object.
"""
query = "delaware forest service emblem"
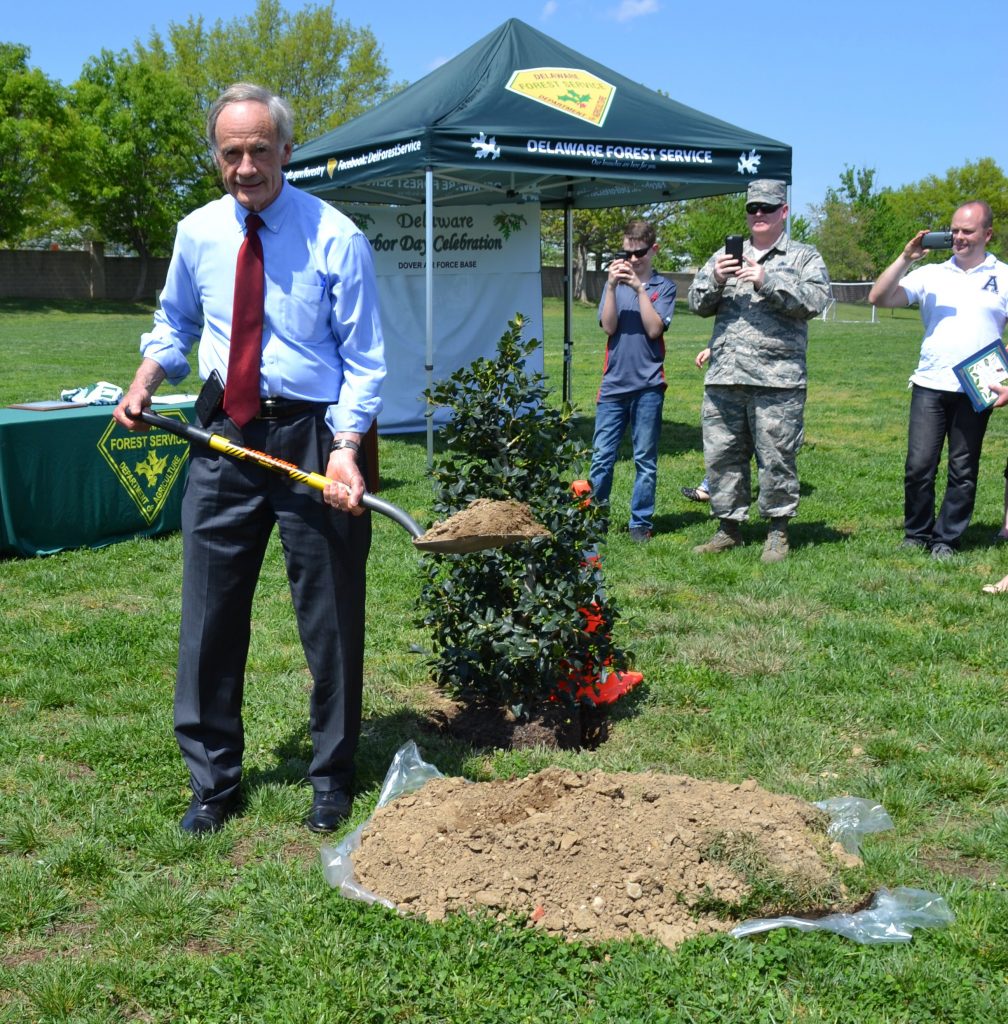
(147, 465)
(578, 93)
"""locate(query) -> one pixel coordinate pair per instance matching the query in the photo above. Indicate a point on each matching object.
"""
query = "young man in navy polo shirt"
(634, 312)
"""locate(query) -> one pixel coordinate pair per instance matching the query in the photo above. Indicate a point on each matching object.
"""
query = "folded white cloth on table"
(101, 393)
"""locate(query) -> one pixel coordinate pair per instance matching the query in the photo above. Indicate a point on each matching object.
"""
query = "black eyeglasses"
(639, 253)
(762, 207)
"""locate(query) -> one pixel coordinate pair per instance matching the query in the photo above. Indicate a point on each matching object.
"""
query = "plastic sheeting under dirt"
(596, 855)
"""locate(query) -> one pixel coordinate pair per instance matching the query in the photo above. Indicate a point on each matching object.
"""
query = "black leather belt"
(284, 408)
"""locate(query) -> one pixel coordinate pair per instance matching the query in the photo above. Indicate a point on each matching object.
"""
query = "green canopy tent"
(519, 117)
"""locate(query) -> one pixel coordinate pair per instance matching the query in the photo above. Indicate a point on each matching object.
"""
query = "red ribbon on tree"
(241, 391)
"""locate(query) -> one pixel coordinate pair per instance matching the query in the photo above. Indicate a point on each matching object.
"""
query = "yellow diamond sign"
(146, 464)
(569, 90)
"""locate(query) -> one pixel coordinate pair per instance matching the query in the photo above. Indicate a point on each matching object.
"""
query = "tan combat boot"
(728, 536)
(776, 547)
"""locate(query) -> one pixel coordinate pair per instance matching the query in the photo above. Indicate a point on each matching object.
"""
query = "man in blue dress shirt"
(321, 369)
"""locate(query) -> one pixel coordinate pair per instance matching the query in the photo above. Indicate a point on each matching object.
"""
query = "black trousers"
(229, 509)
(935, 416)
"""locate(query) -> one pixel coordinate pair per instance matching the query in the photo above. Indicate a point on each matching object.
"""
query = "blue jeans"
(935, 416)
(642, 411)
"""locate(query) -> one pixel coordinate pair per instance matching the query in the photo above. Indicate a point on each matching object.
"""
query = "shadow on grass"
(673, 522)
(980, 535)
(754, 530)
(816, 532)
(383, 735)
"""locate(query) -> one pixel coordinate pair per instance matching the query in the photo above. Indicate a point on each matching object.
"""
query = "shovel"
(459, 542)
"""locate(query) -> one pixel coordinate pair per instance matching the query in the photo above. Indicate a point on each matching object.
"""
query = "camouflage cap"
(766, 190)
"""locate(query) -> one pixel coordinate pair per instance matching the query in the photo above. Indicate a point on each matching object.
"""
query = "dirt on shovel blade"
(484, 523)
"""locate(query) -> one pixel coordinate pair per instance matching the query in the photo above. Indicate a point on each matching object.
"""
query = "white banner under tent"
(486, 268)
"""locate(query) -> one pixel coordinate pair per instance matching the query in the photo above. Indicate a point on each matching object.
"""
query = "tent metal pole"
(568, 345)
(429, 275)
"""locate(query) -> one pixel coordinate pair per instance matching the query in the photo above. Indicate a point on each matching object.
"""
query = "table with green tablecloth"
(71, 477)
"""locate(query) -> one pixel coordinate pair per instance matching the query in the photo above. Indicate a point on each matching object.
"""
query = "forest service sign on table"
(146, 464)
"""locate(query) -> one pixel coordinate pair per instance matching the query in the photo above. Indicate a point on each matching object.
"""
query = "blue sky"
(910, 89)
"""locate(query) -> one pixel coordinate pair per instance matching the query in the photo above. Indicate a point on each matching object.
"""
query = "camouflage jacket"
(760, 337)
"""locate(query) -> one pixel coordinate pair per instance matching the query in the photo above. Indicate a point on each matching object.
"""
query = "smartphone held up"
(937, 240)
(733, 247)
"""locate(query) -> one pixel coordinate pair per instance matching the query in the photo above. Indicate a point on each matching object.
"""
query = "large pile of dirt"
(600, 856)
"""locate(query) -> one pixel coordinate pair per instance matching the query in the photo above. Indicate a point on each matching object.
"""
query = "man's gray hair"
(242, 92)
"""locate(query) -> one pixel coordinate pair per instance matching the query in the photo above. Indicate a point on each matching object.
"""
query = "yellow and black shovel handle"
(221, 444)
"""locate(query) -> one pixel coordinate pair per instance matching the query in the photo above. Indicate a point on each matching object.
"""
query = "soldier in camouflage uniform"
(754, 391)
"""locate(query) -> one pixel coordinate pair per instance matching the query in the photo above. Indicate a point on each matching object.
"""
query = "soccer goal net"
(849, 303)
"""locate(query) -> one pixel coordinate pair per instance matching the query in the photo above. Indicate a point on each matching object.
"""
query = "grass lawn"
(854, 667)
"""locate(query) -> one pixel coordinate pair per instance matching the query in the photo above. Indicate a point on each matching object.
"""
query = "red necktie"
(241, 392)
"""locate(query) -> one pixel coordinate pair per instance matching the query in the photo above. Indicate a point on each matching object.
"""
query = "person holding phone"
(964, 306)
(635, 309)
(761, 297)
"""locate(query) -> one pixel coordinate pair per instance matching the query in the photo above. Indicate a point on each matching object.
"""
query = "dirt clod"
(597, 856)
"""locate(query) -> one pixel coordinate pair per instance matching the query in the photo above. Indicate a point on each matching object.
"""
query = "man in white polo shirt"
(964, 306)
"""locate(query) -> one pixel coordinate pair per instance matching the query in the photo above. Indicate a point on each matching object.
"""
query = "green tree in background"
(701, 225)
(845, 220)
(597, 234)
(328, 70)
(860, 229)
(131, 130)
(838, 238)
(133, 172)
(931, 202)
(689, 231)
(121, 155)
(31, 111)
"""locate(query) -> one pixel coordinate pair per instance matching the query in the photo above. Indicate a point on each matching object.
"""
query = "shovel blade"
(464, 545)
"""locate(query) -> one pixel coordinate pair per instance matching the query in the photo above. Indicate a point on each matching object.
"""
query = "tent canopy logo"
(748, 163)
(569, 90)
(147, 465)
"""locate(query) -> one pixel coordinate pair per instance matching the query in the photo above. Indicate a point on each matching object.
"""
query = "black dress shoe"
(202, 818)
(329, 810)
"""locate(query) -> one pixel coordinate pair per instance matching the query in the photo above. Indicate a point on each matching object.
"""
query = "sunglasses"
(762, 207)
(639, 253)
